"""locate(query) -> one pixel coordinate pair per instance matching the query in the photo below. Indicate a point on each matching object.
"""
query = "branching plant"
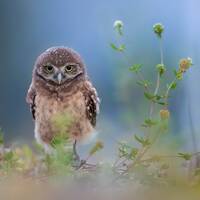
(134, 159)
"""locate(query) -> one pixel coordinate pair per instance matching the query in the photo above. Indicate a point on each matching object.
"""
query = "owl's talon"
(80, 164)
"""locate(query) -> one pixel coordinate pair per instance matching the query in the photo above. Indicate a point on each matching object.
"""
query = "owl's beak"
(59, 78)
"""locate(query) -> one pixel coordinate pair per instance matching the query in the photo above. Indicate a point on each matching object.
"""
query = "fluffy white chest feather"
(61, 115)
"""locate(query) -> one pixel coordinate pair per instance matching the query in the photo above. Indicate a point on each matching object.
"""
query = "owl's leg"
(78, 163)
(76, 156)
(77, 160)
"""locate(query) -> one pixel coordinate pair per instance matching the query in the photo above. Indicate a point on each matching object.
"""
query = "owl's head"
(59, 65)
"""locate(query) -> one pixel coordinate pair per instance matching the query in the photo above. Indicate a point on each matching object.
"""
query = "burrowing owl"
(61, 90)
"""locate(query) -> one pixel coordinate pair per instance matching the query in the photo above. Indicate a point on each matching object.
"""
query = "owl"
(61, 97)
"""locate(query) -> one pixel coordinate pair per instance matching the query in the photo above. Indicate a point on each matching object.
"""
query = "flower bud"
(158, 29)
(164, 114)
(98, 146)
(161, 69)
(118, 25)
(185, 64)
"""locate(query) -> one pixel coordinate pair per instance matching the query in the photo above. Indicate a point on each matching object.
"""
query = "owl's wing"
(92, 102)
(30, 99)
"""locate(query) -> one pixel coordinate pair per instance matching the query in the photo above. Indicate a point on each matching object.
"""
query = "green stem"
(157, 81)
(168, 91)
(161, 52)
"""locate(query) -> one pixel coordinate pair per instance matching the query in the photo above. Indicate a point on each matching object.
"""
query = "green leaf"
(139, 139)
(149, 96)
(178, 75)
(121, 48)
(158, 97)
(123, 149)
(185, 156)
(127, 151)
(149, 123)
(113, 46)
(155, 98)
(144, 83)
(172, 85)
(143, 141)
(135, 68)
(162, 103)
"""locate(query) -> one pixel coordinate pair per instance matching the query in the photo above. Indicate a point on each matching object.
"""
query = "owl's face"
(59, 75)
(59, 65)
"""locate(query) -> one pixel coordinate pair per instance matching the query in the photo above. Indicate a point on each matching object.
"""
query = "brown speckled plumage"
(74, 99)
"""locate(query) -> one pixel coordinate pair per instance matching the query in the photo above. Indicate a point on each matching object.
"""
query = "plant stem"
(158, 80)
(161, 52)
(168, 91)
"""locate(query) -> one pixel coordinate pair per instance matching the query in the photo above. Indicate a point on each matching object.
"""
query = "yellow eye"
(69, 68)
(48, 69)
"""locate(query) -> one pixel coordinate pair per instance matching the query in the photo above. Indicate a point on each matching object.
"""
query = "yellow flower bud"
(164, 114)
(98, 146)
(185, 64)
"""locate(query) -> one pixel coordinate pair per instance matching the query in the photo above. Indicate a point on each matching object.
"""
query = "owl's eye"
(70, 68)
(48, 69)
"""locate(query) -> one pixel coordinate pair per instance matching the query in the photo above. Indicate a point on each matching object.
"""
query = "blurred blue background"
(29, 27)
